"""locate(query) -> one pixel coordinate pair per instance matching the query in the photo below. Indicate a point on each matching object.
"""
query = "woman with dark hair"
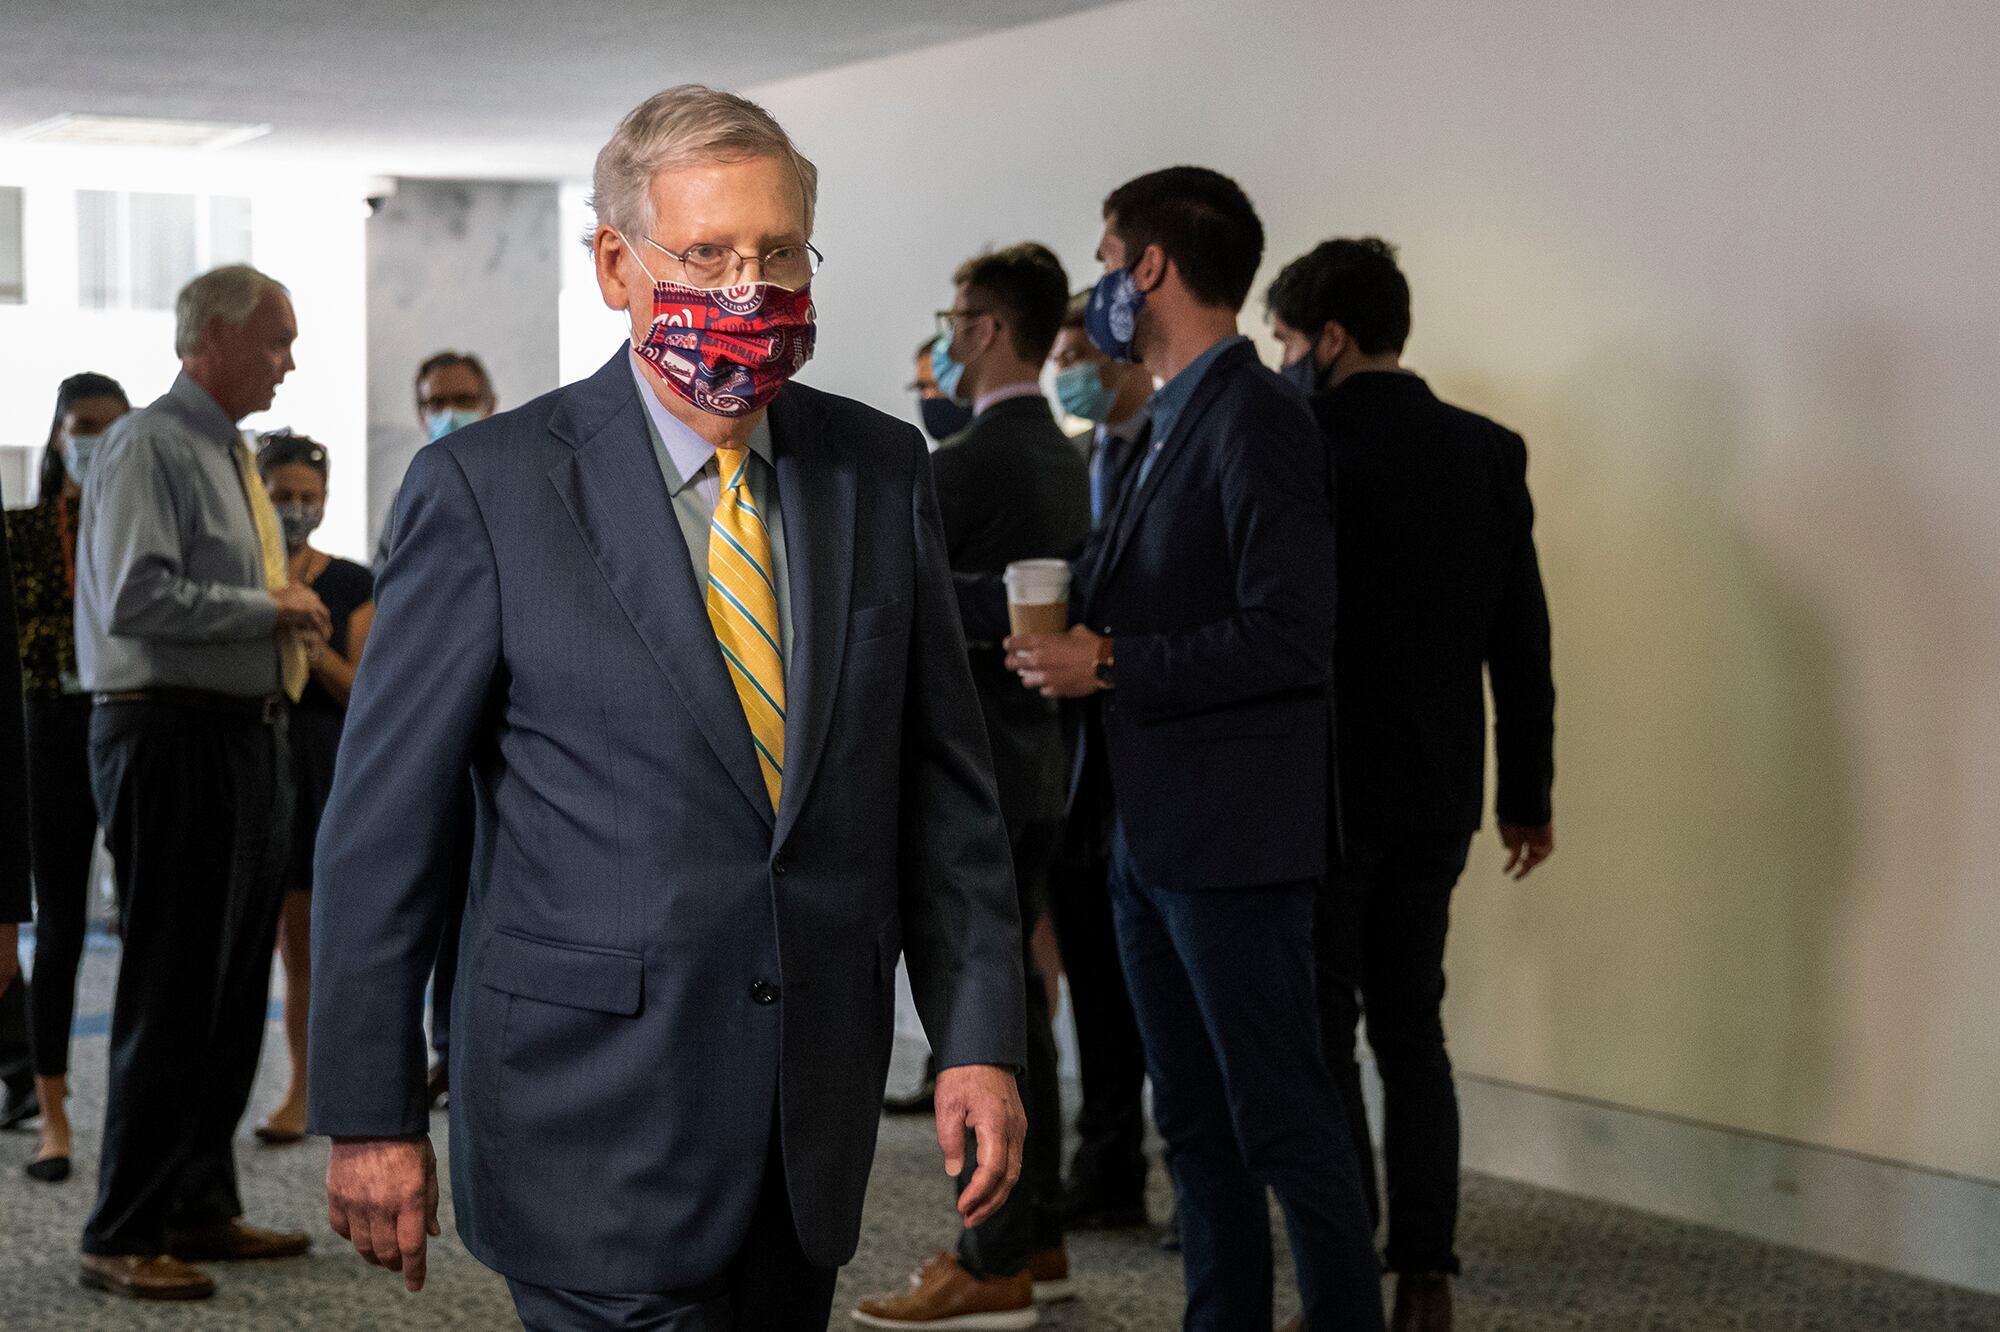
(294, 469)
(62, 829)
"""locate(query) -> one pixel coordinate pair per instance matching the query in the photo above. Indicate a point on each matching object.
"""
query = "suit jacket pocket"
(871, 622)
(604, 980)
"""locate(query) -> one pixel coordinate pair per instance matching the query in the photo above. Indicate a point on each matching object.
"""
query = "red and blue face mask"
(728, 350)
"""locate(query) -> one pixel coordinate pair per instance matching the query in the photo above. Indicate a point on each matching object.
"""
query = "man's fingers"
(336, 1216)
(363, 1238)
(410, 1244)
(982, 1197)
(951, 1136)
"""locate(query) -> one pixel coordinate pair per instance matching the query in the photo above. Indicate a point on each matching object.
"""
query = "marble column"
(454, 265)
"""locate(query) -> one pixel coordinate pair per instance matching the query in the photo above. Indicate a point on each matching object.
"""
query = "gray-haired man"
(691, 627)
(190, 638)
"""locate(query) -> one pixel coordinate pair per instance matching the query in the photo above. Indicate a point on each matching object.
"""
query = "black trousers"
(1222, 983)
(15, 1065)
(1110, 1157)
(770, 1286)
(1031, 1218)
(197, 808)
(1380, 938)
(62, 833)
(444, 972)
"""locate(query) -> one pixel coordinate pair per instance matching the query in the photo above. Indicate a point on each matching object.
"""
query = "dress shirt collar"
(993, 397)
(687, 451)
(1171, 398)
(1125, 431)
(194, 405)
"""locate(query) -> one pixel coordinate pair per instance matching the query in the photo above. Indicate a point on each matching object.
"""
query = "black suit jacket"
(1212, 577)
(14, 896)
(1011, 486)
(1437, 579)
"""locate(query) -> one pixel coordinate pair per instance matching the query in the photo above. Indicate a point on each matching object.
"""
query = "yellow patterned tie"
(291, 652)
(743, 607)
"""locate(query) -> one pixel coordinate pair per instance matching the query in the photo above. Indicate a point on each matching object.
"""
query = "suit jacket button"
(763, 993)
(778, 866)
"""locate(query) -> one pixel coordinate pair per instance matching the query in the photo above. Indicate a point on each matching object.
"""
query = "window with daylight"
(13, 266)
(136, 250)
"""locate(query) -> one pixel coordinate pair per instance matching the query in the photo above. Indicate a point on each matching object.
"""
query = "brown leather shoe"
(944, 1295)
(235, 1242)
(1049, 1269)
(159, 1277)
(1423, 1303)
(1296, 1323)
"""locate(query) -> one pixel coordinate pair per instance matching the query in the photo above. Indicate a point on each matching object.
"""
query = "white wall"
(1730, 269)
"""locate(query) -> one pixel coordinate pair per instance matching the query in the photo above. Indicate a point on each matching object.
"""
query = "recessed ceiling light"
(139, 132)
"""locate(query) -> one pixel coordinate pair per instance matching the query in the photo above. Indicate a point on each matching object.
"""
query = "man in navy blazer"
(1203, 642)
(692, 873)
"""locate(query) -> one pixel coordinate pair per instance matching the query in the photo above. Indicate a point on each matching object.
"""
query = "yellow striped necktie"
(743, 607)
(271, 541)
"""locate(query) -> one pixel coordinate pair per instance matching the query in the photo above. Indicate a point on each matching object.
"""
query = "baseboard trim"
(1864, 1209)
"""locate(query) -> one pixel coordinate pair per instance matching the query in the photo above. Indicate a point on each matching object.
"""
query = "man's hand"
(10, 955)
(382, 1195)
(1059, 665)
(1527, 846)
(301, 610)
(985, 1100)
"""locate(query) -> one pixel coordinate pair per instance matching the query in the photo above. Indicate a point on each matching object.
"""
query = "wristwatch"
(1104, 664)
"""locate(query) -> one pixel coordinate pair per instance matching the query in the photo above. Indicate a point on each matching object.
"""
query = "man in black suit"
(1437, 578)
(1204, 638)
(1010, 487)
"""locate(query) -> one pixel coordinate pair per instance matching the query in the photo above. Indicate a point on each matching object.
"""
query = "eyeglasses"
(708, 265)
(947, 321)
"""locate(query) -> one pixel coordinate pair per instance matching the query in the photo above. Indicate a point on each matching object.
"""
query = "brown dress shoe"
(1423, 1303)
(1296, 1323)
(1049, 1269)
(235, 1242)
(159, 1277)
(944, 1295)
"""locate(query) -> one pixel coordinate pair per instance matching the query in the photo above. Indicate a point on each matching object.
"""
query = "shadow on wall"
(1679, 952)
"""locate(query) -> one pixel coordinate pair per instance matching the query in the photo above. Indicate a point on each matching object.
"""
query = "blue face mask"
(1081, 391)
(1113, 313)
(944, 370)
(1302, 374)
(440, 424)
(943, 418)
(76, 457)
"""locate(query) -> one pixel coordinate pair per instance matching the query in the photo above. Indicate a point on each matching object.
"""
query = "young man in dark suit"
(1438, 586)
(1011, 486)
(1204, 638)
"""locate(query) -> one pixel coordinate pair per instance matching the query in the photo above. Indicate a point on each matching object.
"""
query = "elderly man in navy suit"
(692, 628)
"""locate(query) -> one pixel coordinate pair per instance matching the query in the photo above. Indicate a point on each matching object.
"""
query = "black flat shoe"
(20, 1106)
(49, 1170)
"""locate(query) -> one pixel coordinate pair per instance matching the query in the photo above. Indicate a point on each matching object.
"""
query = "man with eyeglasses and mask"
(1010, 487)
(691, 626)
(1202, 639)
(942, 416)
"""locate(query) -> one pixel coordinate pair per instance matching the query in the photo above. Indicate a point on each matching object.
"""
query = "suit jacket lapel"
(816, 495)
(1141, 491)
(612, 487)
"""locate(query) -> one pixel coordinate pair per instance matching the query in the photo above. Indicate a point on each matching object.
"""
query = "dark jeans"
(1222, 983)
(1381, 937)
(1110, 1157)
(1031, 1218)
(197, 808)
(62, 833)
(771, 1286)
(15, 1065)
(444, 973)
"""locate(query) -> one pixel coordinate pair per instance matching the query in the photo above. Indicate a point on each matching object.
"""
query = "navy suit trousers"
(1222, 983)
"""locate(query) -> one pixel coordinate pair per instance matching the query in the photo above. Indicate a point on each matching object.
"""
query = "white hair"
(228, 293)
(676, 128)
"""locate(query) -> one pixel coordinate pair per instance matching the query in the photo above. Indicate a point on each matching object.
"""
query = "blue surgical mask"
(442, 423)
(1081, 391)
(76, 455)
(1113, 313)
(1302, 374)
(943, 418)
(944, 370)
